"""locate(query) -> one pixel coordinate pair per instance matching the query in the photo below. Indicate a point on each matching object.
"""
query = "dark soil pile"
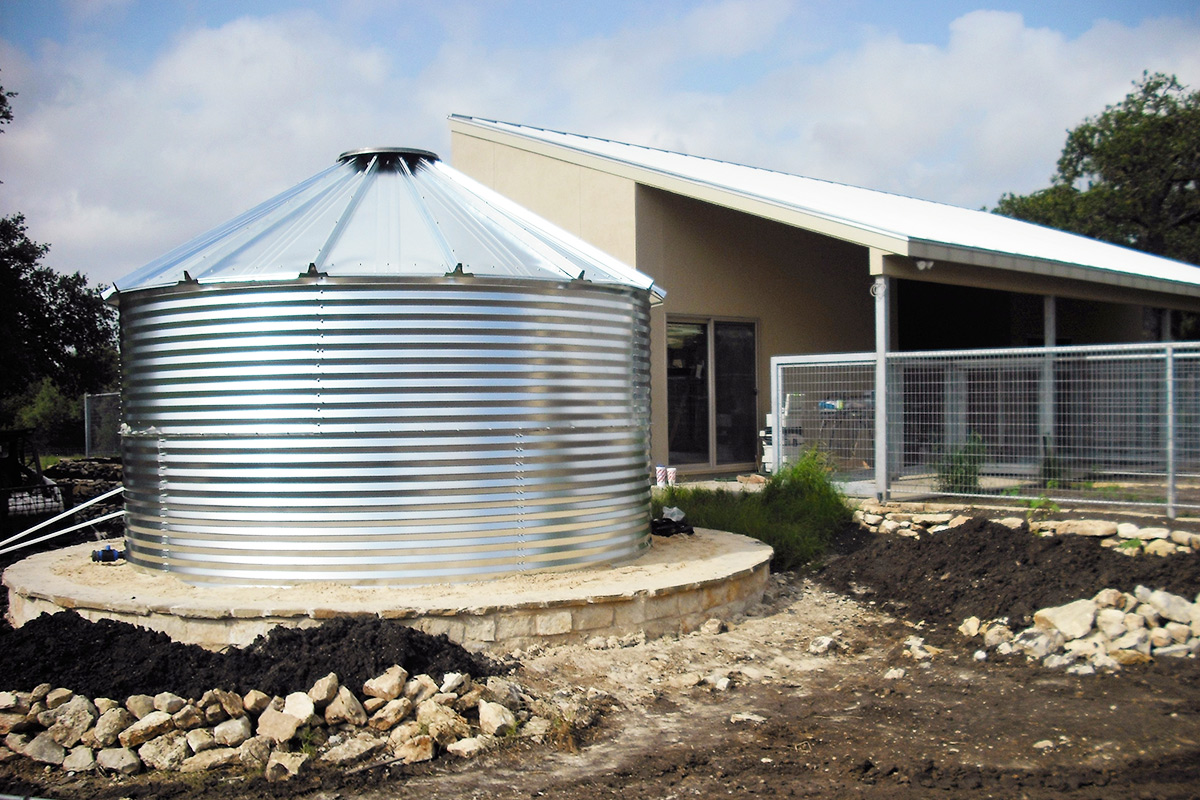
(986, 570)
(113, 659)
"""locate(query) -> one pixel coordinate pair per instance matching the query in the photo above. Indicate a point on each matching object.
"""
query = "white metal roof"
(906, 226)
(385, 211)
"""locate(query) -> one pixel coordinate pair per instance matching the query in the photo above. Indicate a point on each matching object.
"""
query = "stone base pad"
(673, 588)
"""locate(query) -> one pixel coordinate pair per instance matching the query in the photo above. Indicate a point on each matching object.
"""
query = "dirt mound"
(984, 569)
(114, 659)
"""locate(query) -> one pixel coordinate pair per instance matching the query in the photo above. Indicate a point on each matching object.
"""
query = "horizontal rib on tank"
(384, 430)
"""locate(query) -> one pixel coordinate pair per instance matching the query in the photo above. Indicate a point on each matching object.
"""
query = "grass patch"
(797, 512)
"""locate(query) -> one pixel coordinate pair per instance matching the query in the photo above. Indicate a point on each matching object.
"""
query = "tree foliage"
(58, 335)
(1130, 175)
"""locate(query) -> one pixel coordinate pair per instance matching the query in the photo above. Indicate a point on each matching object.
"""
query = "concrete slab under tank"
(673, 588)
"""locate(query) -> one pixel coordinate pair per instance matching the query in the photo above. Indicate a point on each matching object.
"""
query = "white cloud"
(113, 168)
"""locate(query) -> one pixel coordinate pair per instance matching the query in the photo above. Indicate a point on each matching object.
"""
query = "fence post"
(87, 426)
(1170, 393)
(880, 291)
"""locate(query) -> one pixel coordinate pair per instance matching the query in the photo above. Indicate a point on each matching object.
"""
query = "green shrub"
(797, 513)
(958, 472)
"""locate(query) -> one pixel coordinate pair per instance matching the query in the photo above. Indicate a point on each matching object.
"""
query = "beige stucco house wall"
(806, 292)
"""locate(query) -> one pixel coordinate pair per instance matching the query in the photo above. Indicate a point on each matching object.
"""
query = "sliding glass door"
(712, 415)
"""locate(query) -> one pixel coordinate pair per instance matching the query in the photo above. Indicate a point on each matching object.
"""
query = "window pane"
(736, 406)
(687, 392)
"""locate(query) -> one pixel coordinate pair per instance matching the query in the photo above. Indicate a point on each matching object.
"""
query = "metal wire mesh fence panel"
(1115, 424)
(102, 423)
(827, 402)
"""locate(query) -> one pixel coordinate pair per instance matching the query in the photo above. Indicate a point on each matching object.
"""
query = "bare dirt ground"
(794, 724)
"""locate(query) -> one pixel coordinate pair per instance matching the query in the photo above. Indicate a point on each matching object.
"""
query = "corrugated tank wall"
(395, 430)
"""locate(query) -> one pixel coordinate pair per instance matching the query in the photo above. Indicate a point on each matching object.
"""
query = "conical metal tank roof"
(385, 212)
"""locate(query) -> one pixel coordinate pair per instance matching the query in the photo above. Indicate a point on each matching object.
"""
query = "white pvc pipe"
(63, 515)
(105, 518)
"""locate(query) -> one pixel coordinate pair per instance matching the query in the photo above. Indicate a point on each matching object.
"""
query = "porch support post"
(881, 290)
(1046, 395)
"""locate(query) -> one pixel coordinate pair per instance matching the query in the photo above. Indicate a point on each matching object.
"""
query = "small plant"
(1040, 507)
(307, 737)
(797, 512)
(958, 472)
(1052, 471)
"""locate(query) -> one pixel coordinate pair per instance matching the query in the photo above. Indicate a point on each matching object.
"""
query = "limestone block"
(346, 708)
(479, 628)
(255, 702)
(188, 717)
(420, 689)
(1109, 598)
(43, 749)
(356, 748)
(494, 718)
(299, 705)
(254, 752)
(389, 685)
(1171, 606)
(232, 732)
(1161, 547)
(391, 714)
(121, 760)
(284, 766)
(166, 752)
(1127, 530)
(444, 724)
(1087, 527)
(1178, 632)
(278, 726)
(110, 724)
(467, 748)
(454, 682)
(140, 705)
(210, 759)
(1111, 621)
(1147, 534)
(79, 759)
(1172, 650)
(662, 607)
(168, 702)
(57, 697)
(200, 739)
(324, 690)
(996, 634)
(552, 623)
(71, 719)
(14, 723)
(1138, 640)
(154, 724)
(415, 750)
(1182, 538)
(1074, 620)
(231, 703)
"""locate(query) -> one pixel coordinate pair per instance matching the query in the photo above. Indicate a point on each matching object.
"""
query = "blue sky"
(140, 123)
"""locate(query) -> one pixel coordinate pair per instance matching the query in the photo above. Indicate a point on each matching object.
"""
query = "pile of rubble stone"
(1112, 629)
(395, 719)
(1126, 538)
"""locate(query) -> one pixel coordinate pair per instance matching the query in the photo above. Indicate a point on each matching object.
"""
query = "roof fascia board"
(678, 184)
(1027, 282)
(936, 251)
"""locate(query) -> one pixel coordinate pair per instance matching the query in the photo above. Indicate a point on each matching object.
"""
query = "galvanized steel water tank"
(387, 374)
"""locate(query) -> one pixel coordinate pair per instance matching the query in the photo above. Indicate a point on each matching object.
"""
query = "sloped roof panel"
(905, 225)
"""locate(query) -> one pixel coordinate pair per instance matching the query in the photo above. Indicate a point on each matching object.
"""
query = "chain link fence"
(1115, 424)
